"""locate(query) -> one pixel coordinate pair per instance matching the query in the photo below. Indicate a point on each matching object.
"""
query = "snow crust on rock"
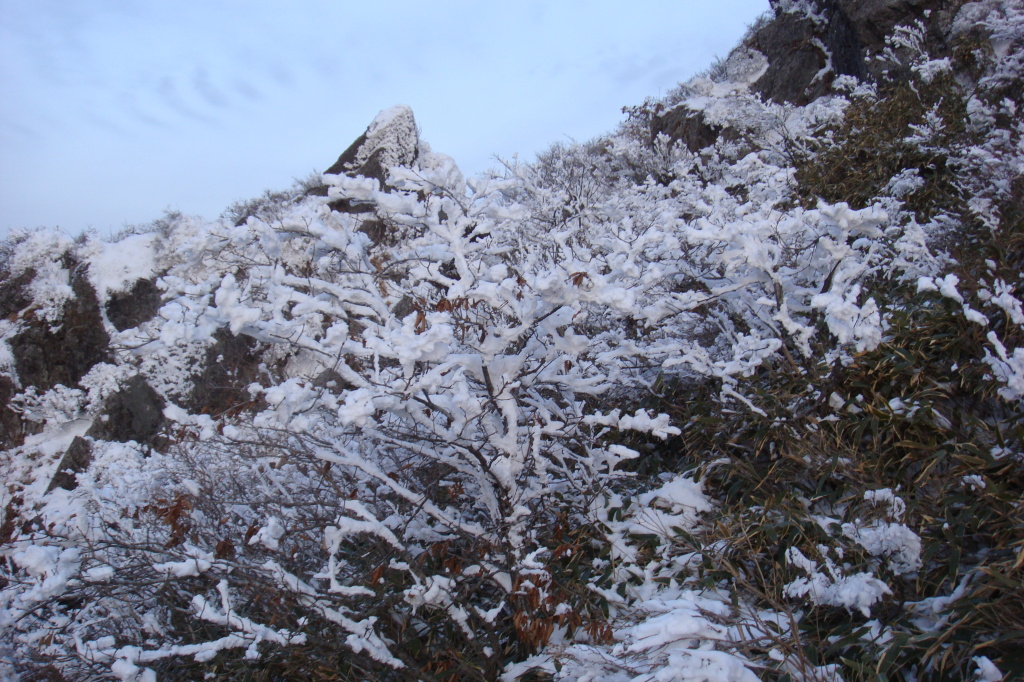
(115, 267)
(394, 133)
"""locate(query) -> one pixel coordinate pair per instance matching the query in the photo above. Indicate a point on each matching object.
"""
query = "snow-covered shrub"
(430, 424)
(630, 412)
(271, 206)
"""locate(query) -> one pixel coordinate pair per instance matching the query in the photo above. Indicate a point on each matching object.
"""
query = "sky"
(113, 111)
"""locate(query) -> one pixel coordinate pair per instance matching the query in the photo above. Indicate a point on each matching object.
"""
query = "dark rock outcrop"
(46, 355)
(844, 37)
(129, 309)
(13, 292)
(76, 459)
(390, 140)
(12, 426)
(873, 20)
(232, 363)
(134, 413)
(687, 126)
(800, 51)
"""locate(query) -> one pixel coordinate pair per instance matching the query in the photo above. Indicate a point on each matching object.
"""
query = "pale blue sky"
(113, 110)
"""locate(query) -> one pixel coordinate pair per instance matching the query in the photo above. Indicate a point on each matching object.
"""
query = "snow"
(932, 68)
(1009, 369)
(974, 482)
(858, 591)
(393, 131)
(98, 574)
(52, 569)
(429, 430)
(900, 546)
(681, 495)
(191, 567)
(986, 670)
(37, 561)
(269, 535)
(117, 266)
(948, 287)
(897, 507)
(641, 421)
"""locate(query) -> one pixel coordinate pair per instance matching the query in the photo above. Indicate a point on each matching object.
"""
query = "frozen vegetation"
(634, 411)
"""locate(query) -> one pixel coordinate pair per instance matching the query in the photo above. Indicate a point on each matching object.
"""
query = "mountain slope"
(731, 393)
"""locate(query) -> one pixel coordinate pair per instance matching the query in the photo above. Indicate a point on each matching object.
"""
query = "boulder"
(133, 413)
(686, 126)
(391, 140)
(46, 355)
(129, 309)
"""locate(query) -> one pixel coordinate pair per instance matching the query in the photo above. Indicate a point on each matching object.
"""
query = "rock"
(873, 20)
(45, 356)
(13, 428)
(852, 31)
(793, 44)
(376, 229)
(133, 413)
(687, 126)
(406, 306)
(232, 363)
(129, 309)
(391, 140)
(13, 292)
(76, 459)
(845, 46)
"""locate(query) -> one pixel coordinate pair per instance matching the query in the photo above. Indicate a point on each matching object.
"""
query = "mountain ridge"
(733, 391)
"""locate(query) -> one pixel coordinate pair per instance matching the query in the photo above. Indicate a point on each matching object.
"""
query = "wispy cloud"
(128, 104)
(104, 123)
(167, 90)
(19, 131)
(278, 72)
(210, 93)
(247, 90)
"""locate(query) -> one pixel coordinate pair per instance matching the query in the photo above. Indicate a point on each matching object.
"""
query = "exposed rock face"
(873, 20)
(231, 365)
(131, 308)
(45, 356)
(12, 301)
(687, 126)
(135, 413)
(391, 140)
(12, 426)
(805, 55)
(797, 55)
(13, 293)
(76, 459)
(808, 45)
